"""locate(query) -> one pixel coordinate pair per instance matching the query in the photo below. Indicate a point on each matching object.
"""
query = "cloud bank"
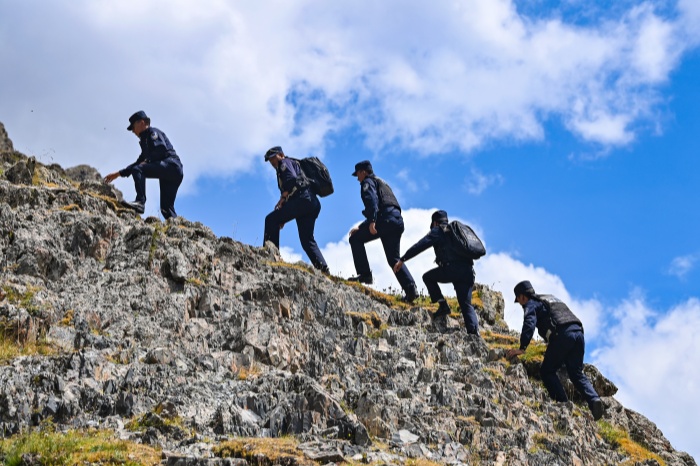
(223, 79)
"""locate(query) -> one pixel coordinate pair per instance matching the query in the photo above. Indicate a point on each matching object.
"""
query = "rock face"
(150, 321)
(5, 142)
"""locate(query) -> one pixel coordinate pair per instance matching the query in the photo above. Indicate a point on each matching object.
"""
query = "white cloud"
(680, 266)
(289, 255)
(653, 356)
(225, 79)
(478, 182)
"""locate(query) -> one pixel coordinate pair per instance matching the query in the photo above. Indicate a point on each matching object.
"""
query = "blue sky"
(562, 131)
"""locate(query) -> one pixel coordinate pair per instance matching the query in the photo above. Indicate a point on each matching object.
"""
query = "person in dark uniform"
(451, 269)
(563, 332)
(157, 160)
(383, 220)
(298, 202)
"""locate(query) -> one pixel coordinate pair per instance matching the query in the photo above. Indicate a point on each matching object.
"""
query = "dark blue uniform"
(451, 269)
(157, 160)
(389, 224)
(302, 205)
(565, 345)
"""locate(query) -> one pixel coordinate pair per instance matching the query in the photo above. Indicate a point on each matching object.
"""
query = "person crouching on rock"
(157, 160)
(563, 333)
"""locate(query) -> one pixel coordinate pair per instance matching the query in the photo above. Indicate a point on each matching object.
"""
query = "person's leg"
(276, 219)
(554, 357)
(306, 222)
(359, 253)
(168, 193)
(574, 366)
(391, 242)
(463, 289)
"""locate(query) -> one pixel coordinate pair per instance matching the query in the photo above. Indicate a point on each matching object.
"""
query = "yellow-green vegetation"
(534, 352)
(493, 372)
(12, 346)
(619, 438)
(369, 318)
(24, 300)
(158, 231)
(499, 340)
(281, 450)
(147, 420)
(67, 318)
(295, 266)
(252, 372)
(71, 208)
(476, 299)
(195, 281)
(77, 447)
(539, 443)
(374, 334)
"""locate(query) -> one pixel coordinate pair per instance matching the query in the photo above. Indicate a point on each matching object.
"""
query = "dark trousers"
(566, 347)
(390, 233)
(169, 174)
(305, 210)
(462, 278)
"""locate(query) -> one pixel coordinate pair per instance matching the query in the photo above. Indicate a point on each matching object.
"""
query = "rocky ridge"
(171, 336)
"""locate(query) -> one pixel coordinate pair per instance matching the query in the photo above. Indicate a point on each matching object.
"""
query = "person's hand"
(512, 353)
(372, 228)
(353, 231)
(398, 266)
(111, 177)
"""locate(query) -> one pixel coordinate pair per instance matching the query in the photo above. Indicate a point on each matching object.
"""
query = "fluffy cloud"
(478, 182)
(680, 266)
(652, 356)
(223, 79)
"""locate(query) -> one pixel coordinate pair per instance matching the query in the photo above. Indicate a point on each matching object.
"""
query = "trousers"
(304, 209)
(169, 175)
(462, 277)
(566, 347)
(390, 234)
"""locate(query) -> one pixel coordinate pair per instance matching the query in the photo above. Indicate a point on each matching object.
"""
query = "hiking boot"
(597, 408)
(324, 269)
(367, 279)
(411, 295)
(139, 207)
(443, 310)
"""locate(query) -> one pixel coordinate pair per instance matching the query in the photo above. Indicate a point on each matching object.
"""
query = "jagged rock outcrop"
(5, 142)
(146, 322)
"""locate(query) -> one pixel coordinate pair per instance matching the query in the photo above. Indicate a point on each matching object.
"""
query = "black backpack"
(318, 176)
(464, 241)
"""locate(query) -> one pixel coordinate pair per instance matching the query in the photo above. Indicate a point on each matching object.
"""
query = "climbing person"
(157, 160)
(452, 268)
(563, 333)
(383, 220)
(297, 201)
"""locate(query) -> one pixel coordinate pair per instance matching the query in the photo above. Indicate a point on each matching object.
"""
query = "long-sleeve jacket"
(376, 205)
(155, 147)
(439, 240)
(290, 178)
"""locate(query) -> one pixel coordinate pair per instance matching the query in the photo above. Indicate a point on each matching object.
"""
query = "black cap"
(524, 287)
(272, 151)
(364, 165)
(439, 216)
(138, 116)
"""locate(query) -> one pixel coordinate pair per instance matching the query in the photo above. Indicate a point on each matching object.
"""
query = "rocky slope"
(171, 336)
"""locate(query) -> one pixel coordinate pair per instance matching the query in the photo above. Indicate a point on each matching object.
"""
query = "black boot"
(443, 310)
(139, 207)
(411, 295)
(367, 279)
